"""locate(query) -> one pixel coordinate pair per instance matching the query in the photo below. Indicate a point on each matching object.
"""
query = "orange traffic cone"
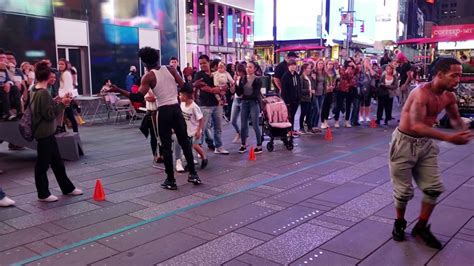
(99, 194)
(372, 123)
(328, 135)
(252, 156)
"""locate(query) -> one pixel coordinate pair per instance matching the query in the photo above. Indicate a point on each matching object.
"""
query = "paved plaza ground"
(324, 203)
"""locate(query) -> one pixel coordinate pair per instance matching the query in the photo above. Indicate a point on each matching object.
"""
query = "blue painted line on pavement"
(190, 207)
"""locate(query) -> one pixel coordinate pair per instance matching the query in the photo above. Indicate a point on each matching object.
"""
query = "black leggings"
(69, 113)
(328, 98)
(342, 96)
(292, 108)
(384, 103)
(171, 118)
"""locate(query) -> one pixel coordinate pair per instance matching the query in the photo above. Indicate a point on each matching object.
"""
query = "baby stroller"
(275, 121)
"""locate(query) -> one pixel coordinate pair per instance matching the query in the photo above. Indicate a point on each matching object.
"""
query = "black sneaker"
(204, 163)
(211, 147)
(425, 234)
(398, 232)
(258, 150)
(159, 160)
(171, 185)
(194, 178)
(242, 149)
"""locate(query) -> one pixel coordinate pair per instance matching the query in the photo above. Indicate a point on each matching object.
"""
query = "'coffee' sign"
(453, 33)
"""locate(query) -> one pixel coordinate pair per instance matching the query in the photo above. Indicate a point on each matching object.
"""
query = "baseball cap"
(291, 54)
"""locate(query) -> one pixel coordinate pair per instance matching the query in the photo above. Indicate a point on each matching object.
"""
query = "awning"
(300, 48)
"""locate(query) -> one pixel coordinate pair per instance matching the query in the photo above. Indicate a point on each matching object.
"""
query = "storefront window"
(230, 27)
(212, 24)
(238, 28)
(73, 9)
(220, 25)
(191, 26)
(202, 22)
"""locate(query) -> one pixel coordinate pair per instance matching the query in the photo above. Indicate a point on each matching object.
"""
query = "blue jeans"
(2, 194)
(317, 104)
(235, 113)
(250, 107)
(214, 113)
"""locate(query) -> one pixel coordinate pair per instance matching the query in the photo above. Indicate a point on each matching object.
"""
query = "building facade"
(99, 37)
(220, 29)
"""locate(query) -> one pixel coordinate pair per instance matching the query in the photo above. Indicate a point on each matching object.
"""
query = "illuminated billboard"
(298, 20)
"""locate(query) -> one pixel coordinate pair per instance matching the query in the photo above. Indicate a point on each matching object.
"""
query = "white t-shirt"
(192, 114)
(221, 79)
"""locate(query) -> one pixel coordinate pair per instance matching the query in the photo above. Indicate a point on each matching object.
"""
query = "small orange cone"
(328, 135)
(372, 123)
(99, 194)
(252, 156)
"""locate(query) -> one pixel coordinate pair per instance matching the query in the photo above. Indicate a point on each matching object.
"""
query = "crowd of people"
(188, 108)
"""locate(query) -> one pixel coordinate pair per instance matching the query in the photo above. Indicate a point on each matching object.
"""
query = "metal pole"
(321, 25)
(350, 9)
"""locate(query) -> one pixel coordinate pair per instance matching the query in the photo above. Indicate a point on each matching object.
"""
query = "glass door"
(76, 56)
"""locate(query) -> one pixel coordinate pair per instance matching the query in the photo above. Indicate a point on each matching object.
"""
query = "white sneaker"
(76, 192)
(347, 124)
(336, 124)
(51, 198)
(221, 150)
(367, 119)
(324, 125)
(361, 119)
(179, 166)
(236, 138)
(6, 201)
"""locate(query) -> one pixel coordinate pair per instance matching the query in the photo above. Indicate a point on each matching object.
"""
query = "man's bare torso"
(434, 103)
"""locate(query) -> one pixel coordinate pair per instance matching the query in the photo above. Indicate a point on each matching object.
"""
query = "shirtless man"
(413, 152)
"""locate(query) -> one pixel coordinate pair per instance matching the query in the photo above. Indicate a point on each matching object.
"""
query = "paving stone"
(242, 183)
(235, 219)
(154, 251)
(324, 258)
(84, 254)
(39, 247)
(10, 213)
(343, 193)
(302, 192)
(21, 237)
(360, 240)
(323, 202)
(465, 237)
(352, 172)
(199, 233)
(447, 220)
(50, 215)
(379, 176)
(98, 215)
(11, 256)
(294, 180)
(256, 260)
(138, 236)
(461, 198)
(255, 234)
(456, 252)
(235, 262)
(361, 207)
(223, 205)
(334, 220)
(132, 193)
(5, 229)
(131, 183)
(312, 205)
(294, 243)
(285, 220)
(408, 252)
(217, 251)
(83, 233)
(325, 169)
(169, 206)
(329, 225)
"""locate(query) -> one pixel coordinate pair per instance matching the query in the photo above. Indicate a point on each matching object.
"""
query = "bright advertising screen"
(298, 19)
(364, 13)
(263, 20)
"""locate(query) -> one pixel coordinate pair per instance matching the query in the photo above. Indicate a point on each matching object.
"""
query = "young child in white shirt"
(221, 79)
(194, 122)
